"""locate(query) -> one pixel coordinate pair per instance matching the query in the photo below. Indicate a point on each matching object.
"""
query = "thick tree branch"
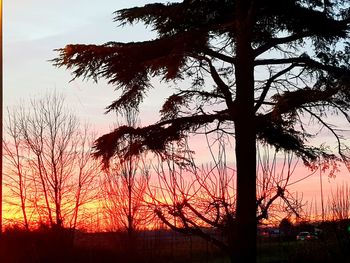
(225, 90)
(195, 231)
(273, 42)
(265, 208)
(201, 216)
(153, 137)
(268, 85)
(218, 55)
(305, 61)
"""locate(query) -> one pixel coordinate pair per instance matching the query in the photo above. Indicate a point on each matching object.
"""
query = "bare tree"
(124, 187)
(16, 179)
(55, 158)
(339, 202)
(200, 200)
(273, 182)
(84, 184)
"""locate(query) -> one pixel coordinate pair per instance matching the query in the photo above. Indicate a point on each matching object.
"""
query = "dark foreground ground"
(18, 246)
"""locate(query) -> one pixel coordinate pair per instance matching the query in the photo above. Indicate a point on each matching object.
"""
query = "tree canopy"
(307, 71)
(274, 65)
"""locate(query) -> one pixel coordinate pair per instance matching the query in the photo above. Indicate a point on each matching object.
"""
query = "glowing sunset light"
(209, 120)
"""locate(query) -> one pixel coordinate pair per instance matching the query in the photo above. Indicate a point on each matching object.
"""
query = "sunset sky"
(34, 28)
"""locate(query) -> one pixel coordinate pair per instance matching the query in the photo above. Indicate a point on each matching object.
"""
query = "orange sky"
(34, 28)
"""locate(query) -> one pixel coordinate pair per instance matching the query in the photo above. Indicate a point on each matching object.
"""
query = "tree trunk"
(244, 249)
(245, 232)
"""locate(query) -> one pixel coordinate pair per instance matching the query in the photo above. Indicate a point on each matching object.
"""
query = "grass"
(315, 251)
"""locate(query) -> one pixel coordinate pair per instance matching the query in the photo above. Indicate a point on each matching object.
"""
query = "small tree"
(274, 174)
(201, 199)
(124, 186)
(339, 203)
(50, 162)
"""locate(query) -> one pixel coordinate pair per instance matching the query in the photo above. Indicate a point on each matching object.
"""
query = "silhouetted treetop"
(271, 18)
(194, 36)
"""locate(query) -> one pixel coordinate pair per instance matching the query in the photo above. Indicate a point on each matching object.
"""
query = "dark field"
(157, 246)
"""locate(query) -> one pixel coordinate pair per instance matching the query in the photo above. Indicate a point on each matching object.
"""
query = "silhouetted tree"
(124, 187)
(83, 183)
(17, 173)
(201, 199)
(272, 64)
(339, 203)
(49, 162)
